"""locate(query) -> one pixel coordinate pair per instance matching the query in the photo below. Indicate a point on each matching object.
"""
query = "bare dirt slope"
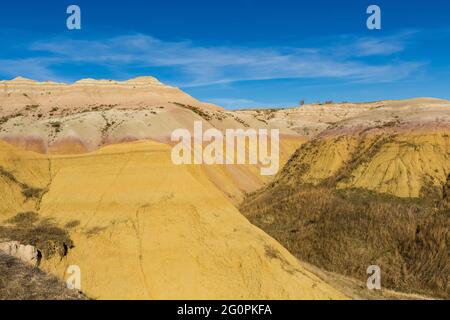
(147, 229)
(400, 147)
(58, 118)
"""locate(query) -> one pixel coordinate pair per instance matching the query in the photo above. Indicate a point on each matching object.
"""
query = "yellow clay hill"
(147, 229)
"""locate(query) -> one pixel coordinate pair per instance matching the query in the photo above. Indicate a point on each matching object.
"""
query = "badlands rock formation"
(81, 117)
(147, 229)
(95, 155)
(26, 253)
(398, 147)
(368, 190)
(58, 118)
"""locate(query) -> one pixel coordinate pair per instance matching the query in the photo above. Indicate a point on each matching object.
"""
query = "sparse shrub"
(5, 119)
(245, 124)
(29, 192)
(204, 114)
(94, 231)
(72, 224)
(44, 234)
(31, 107)
(5, 173)
(56, 125)
(24, 218)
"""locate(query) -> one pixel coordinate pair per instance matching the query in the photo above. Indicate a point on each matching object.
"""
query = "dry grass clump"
(205, 115)
(346, 231)
(24, 219)
(20, 281)
(27, 191)
(56, 125)
(44, 234)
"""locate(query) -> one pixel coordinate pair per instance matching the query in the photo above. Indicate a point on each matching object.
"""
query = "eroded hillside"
(399, 148)
(369, 190)
(57, 118)
(143, 228)
(93, 158)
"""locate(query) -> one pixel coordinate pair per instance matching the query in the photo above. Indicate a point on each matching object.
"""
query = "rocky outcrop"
(25, 253)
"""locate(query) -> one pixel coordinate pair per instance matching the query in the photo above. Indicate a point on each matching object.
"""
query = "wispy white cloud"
(194, 65)
(351, 46)
(236, 102)
(240, 103)
(372, 47)
(36, 68)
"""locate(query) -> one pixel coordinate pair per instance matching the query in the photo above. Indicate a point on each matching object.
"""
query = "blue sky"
(238, 53)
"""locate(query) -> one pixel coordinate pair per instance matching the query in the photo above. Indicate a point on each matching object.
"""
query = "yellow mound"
(404, 165)
(237, 180)
(148, 229)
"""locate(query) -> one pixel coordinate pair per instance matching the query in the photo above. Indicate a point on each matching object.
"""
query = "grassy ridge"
(346, 231)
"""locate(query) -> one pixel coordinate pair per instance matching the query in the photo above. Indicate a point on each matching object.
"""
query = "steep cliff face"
(144, 228)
